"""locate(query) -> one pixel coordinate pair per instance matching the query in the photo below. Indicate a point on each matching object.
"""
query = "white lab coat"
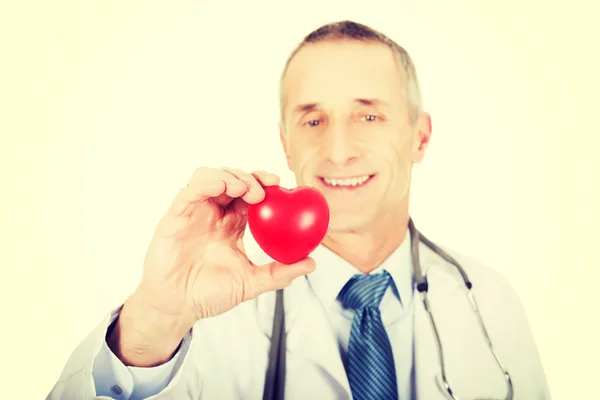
(228, 355)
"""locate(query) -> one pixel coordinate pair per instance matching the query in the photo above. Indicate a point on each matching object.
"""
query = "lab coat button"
(117, 389)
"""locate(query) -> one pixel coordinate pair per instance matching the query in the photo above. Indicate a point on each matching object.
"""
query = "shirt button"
(116, 389)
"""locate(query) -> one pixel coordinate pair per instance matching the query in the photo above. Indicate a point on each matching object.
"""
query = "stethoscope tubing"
(276, 371)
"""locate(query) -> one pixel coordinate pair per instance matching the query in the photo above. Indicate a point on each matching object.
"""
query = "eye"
(313, 122)
(370, 118)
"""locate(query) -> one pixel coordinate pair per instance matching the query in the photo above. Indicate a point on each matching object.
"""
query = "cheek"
(302, 155)
(392, 149)
(402, 144)
(395, 155)
(403, 150)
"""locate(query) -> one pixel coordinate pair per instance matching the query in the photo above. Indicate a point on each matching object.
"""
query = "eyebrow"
(371, 102)
(302, 108)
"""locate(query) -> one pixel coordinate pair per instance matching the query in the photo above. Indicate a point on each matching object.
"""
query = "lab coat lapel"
(427, 362)
(426, 358)
(469, 364)
(310, 335)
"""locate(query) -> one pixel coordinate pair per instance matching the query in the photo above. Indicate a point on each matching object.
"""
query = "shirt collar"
(333, 272)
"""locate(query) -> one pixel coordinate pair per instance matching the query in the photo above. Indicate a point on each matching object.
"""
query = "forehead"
(335, 72)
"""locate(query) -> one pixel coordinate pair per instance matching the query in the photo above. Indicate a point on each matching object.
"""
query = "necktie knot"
(364, 291)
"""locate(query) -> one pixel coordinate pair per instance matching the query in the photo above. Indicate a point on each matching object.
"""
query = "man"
(199, 324)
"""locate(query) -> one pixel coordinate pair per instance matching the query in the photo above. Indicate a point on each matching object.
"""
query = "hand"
(196, 266)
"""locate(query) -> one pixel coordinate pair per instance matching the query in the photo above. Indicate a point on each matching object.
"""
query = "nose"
(339, 147)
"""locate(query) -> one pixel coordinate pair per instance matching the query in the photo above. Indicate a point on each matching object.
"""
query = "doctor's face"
(347, 130)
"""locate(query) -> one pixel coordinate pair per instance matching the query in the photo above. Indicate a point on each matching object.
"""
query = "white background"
(108, 108)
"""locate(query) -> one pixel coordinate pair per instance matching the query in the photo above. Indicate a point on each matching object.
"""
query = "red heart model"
(289, 224)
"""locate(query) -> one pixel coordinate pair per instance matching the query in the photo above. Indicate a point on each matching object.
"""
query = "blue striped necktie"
(371, 369)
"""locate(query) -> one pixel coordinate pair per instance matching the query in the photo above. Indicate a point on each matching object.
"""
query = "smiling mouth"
(347, 183)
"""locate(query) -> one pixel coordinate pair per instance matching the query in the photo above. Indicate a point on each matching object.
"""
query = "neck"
(366, 250)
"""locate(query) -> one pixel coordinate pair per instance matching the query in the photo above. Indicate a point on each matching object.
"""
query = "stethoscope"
(275, 379)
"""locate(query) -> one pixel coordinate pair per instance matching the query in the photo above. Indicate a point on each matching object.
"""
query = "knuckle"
(242, 174)
(247, 177)
(234, 173)
(266, 174)
(260, 176)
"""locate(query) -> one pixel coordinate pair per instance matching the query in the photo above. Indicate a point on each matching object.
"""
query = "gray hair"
(349, 30)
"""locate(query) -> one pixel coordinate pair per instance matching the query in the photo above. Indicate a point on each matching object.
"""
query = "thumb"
(275, 275)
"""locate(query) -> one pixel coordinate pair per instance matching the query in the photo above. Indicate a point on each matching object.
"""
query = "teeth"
(359, 180)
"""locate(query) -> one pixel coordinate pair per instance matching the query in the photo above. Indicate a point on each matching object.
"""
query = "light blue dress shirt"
(113, 379)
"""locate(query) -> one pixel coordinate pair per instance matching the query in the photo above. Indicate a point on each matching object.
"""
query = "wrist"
(145, 337)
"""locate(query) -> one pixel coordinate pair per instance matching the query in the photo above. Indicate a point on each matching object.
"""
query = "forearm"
(143, 337)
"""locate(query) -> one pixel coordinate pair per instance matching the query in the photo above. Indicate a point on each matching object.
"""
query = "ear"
(284, 144)
(423, 135)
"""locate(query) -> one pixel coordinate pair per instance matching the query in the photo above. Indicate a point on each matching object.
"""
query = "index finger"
(207, 183)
